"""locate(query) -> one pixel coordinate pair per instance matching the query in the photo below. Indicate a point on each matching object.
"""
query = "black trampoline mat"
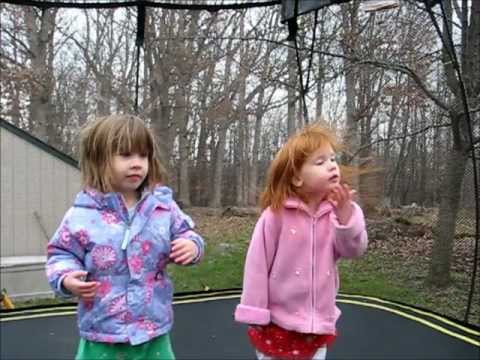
(206, 330)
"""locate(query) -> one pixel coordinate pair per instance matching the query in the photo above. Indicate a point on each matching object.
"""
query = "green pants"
(156, 349)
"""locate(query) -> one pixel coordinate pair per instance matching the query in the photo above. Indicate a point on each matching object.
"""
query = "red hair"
(288, 162)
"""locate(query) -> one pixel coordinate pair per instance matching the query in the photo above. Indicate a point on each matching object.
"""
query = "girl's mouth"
(334, 178)
(133, 177)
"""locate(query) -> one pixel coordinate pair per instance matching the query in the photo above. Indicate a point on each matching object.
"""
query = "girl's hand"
(341, 198)
(183, 251)
(74, 282)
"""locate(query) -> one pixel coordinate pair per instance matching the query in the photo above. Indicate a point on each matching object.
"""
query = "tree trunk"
(350, 25)
(159, 80)
(242, 120)
(444, 230)
(41, 29)
(253, 187)
(216, 198)
(181, 120)
(450, 190)
(224, 123)
(291, 91)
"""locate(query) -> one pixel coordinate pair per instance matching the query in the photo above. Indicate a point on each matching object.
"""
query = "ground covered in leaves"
(402, 241)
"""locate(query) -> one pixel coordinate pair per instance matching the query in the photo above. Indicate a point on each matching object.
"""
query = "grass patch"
(365, 277)
(226, 242)
(41, 301)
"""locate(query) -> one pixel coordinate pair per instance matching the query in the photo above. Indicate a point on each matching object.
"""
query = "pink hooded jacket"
(291, 276)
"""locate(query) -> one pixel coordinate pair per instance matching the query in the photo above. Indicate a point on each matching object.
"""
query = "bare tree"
(40, 25)
(458, 155)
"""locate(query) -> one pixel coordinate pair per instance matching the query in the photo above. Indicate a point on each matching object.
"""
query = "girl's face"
(319, 174)
(129, 170)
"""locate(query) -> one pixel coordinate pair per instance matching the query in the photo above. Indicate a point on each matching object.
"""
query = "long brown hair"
(107, 136)
(288, 162)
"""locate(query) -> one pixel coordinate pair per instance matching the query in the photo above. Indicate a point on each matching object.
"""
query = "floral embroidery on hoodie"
(104, 257)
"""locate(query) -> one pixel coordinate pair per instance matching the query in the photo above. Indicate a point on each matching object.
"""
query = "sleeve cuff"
(199, 251)
(252, 315)
(61, 290)
(354, 226)
(197, 257)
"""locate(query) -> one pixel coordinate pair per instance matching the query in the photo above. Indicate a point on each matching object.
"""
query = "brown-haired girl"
(309, 221)
(113, 245)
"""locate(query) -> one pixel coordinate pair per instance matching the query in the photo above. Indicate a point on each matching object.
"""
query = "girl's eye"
(143, 155)
(125, 154)
(320, 162)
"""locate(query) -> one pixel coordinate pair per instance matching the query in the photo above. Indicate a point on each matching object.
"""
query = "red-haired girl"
(309, 221)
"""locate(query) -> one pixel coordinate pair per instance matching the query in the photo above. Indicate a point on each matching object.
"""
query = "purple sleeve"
(182, 227)
(64, 255)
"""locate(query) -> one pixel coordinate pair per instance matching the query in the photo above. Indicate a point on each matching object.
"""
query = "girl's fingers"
(88, 293)
(350, 193)
(178, 256)
(333, 198)
(88, 296)
(179, 251)
(185, 259)
(176, 247)
(88, 285)
(345, 190)
(182, 252)
(78, 274)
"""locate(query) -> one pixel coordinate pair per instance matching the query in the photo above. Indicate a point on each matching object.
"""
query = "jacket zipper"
(313, 274)
(126, 235)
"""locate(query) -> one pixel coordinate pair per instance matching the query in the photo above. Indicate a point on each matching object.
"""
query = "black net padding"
(209, 5)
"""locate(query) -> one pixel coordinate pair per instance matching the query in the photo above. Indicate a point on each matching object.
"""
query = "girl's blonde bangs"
(132, 137)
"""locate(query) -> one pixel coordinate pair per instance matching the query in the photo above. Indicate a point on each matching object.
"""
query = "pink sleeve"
(253, 308)
(351, 239)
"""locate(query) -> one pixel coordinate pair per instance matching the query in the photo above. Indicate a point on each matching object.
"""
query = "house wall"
(36, 189)
(37, 185)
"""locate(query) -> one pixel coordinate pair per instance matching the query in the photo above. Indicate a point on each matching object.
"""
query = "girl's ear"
(296, 181)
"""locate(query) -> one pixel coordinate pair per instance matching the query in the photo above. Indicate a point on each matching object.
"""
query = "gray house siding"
(37, 185)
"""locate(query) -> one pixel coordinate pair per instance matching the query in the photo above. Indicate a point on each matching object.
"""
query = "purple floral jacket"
(127, 256)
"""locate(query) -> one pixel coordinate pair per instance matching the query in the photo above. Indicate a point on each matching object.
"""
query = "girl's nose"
(333, 166)
(136, 161)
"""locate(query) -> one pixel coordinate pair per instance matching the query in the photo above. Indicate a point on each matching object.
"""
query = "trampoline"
(370, 328)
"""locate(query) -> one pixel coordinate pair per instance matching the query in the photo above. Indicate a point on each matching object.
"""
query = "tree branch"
(415, 133)
(378, 63)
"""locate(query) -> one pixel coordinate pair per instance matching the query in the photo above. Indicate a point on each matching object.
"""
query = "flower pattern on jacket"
(136, 263)
(65, 237)
(104, 257)
(83, 237)
(109, 217)
(134, 300)
(104, 288)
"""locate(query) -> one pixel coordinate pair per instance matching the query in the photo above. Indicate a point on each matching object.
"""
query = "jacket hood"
(94, 199)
